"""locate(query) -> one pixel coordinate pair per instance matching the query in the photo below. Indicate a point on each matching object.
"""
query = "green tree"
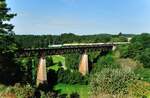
(105, 62)
(138, 49)
(6, 33)
(119, 39)
(8, 69)
(72, 61)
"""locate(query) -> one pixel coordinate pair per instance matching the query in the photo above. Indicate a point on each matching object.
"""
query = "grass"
(54, 67)
(82, 90)
(56, 60)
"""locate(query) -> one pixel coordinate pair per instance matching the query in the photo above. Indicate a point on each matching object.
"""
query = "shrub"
(140, 89)
(119, 39)
(23, 91)
(143, 73)
(74, 95)
(74, 77)
(124, 51)
(17, 91)
(72, 61)
(129, 64)
(111, 81)
(138, 49)
(105, 62)
(144, 57)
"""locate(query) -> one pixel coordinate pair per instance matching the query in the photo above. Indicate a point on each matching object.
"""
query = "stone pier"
(41, 72)
(83, 66)
(114, 48)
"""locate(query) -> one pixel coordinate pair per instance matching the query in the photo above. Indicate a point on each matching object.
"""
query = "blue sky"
(80, 16)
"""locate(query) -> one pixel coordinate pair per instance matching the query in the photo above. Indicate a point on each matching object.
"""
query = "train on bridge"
(85, 44)
(73, 44)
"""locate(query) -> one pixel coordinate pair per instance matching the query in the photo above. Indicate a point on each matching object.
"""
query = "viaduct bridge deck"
(68, 48)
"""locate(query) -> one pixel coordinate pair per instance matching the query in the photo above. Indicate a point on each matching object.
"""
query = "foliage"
(105, 62)
(71, 77)
(111, 81)
(16, 91)
(27, 69)
(9, 70)
(93, 56)
(45, 40)
(129, 64)
(140, 89)
(144, 57)
(55, 62)
(124, 51)
(7, 47)
(119, 39)
(139, 49)
(75, 95)
(143, 73)
(68, 89)
(25, 91)
(49, 61)
(6, 34)
(72, 61)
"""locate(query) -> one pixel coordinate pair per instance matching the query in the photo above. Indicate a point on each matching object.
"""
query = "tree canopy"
(6, 33)
(139, 49)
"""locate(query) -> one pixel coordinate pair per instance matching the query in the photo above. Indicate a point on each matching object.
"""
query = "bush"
(129, 64)
(17, 91)
(140, 89)
(138, 49)
(68, 77)
(74, 95)
(143, 73)
(105, 62)
(111, 81)
(119, 39)
(72, 61)
(25, 91)
(124, 52)
(144, 57)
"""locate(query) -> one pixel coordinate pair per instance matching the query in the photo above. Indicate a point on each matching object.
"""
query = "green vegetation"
(16, 91)
(72, 61)
(68, 77)
(7, 46)
(144, 74)
(124, 72)
(37, 41)
(82, 90)
(139, 49)
(107, 61)
(7, 43)
(111, 81)
(56, 63)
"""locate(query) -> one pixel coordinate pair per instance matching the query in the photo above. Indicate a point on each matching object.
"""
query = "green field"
(56, 60)
(82, 90)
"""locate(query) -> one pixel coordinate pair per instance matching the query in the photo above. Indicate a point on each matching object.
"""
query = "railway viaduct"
(83, 49)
